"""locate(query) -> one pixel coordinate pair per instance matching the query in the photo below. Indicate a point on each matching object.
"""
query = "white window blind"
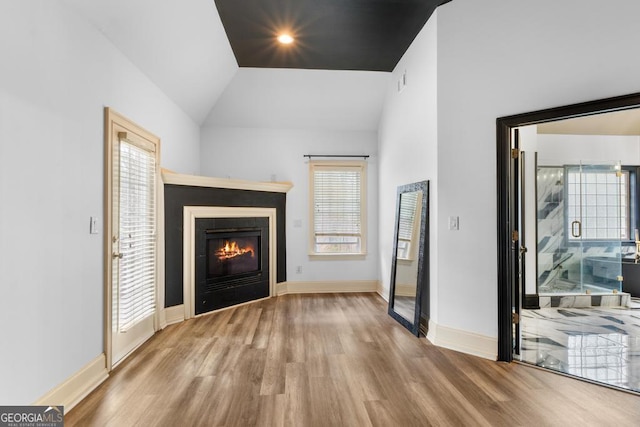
(406, 226)
(137, 235)
(337, 208)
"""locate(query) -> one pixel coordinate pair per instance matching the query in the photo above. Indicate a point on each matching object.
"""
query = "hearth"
(231, 261)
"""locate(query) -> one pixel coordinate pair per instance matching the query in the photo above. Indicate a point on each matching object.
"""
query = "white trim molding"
(78, 386)
(463, 341)
(188, 261)
(382, 291)
(342, 286)
(405, 290)
(234, 184)
(160, 257)
(174, 314)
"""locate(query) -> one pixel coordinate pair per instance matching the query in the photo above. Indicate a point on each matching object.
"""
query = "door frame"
(506, 253)
(114, 119)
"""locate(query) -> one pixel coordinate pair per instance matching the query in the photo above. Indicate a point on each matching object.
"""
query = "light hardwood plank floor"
(331, 360)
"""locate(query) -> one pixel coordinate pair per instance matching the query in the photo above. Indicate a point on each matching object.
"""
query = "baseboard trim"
(78, 386)
(405, 290)
(341, 286)
(463, 341)
(384, 293)
(174, 314)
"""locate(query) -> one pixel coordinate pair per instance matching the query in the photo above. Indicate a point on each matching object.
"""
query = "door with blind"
(133, 243)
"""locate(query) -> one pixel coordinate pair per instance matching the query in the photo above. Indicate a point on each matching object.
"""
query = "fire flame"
(232, 250)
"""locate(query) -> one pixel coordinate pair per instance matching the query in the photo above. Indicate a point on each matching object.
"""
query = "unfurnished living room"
(319, 212)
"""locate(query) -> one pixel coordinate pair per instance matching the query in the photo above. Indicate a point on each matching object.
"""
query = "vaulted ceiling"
(194, 56)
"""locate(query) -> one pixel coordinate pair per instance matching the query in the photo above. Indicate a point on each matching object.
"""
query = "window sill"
(327, 257)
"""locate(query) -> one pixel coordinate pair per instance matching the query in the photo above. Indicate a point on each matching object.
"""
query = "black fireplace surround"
(176, 197)
(231, 261)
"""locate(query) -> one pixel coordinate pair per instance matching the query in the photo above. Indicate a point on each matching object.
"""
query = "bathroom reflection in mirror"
(409, 273)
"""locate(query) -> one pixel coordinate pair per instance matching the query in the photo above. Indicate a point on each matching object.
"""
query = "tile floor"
(597, 343)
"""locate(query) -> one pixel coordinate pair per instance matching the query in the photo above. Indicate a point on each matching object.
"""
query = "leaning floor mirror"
(409, 288)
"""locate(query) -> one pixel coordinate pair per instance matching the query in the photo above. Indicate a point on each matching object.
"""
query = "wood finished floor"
(331, 360)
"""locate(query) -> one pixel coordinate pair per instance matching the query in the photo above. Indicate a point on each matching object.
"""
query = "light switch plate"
(93, 225)
(454, 223)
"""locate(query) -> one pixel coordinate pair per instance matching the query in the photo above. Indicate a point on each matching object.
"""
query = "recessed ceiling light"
(285, 39)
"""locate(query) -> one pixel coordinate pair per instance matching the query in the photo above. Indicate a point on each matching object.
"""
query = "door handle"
(573, 229)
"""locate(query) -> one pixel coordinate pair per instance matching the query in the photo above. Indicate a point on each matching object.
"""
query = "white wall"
(498, 58)
(284, 98)
(180, 45)
(558, 150)
(258, 154)
(407, 147)
(57, 74)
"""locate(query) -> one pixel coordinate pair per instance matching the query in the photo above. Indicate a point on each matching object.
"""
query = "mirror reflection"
(406, 260)
(408, 272)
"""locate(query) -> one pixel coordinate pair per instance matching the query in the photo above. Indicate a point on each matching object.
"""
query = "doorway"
(131, 171)
(576, 254)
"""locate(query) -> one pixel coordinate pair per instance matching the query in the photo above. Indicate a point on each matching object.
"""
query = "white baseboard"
(162, 320)
(78, 386)
(384, 293)
(341, 286)
(405, 290)
(463, 341)
(174, 314)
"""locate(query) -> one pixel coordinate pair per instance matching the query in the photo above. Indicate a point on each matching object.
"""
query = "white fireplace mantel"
(191, 213)
(169, 177)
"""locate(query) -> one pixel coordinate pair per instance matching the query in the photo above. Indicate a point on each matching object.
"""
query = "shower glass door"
(596, 222)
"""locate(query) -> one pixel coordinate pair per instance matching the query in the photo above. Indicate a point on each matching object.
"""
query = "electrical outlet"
(299, 269)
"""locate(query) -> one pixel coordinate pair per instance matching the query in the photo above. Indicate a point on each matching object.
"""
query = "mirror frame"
(421, 313)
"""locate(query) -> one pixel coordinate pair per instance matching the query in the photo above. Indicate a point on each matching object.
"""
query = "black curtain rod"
(364, 156)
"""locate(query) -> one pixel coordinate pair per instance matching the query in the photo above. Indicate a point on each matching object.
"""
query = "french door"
(132, 246)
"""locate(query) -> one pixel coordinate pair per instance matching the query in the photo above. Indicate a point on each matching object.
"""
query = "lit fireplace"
(232, 255)
(232, 262)
(232, 250)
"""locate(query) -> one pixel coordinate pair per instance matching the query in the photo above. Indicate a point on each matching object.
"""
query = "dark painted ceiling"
(329, 34)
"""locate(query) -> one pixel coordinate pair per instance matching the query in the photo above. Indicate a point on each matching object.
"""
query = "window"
(408, 224)
(597, 204)
(338, 208)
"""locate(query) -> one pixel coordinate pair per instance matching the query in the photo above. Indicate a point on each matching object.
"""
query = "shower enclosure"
(582, 220)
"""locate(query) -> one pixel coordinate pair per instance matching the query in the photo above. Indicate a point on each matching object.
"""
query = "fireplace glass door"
(232, 255)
